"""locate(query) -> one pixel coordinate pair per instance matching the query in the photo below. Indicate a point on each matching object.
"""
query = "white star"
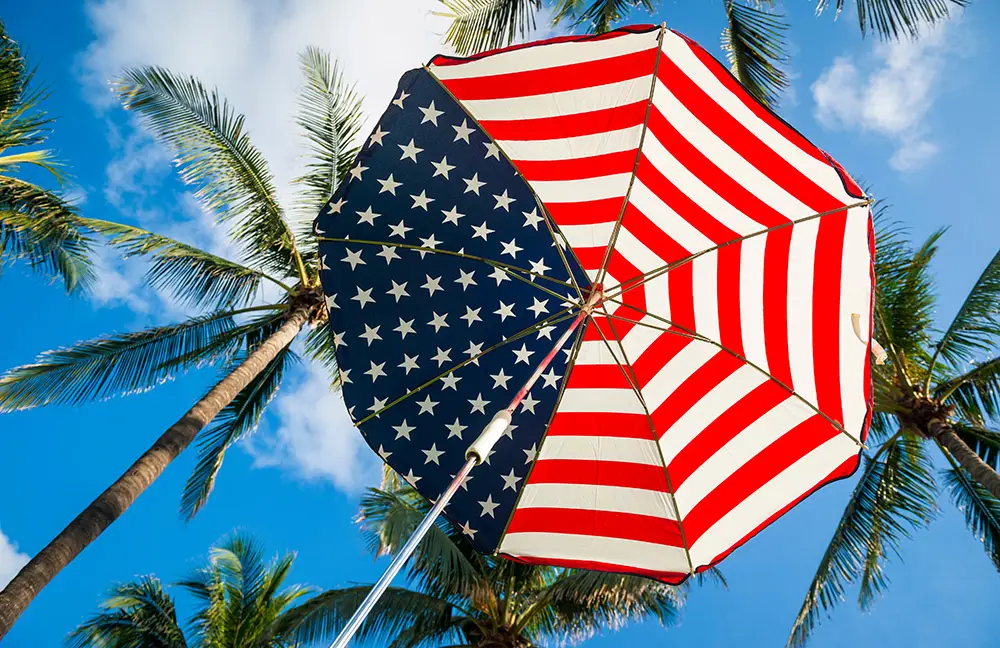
(345, 376)
(371, 334)
(469, 531)
(429, 242)
(322, 263)
(338, 340)
(539, 306)
(532, 219)
(427, 406)
(488, 506)
(375, 371)
(335, 206)
(510, 481)
(529, 403)
(410, 150)
(399, 100)
(492, 150)
(473, 184)
(455, 429)
(413, 479)
(398, 290)
(409, 363)
(531, 454)
(479, 404)
(442, 168)
(438, 322)
(505, 311)
(450, 382)
(378, 404)
(389, 184)
(472, 315)
(465, 482)
(388, 253)
(452, 215)
(432, 454)
(474, 349)
(545, 332)
(353, 258)
(367, 216)
(466, 279)
(511, 248)
(500, 380)
(430, 114)
(399, 230)
(363, 297)
(442, 356)
(331, 302)
(503, 200)
(551, 378)
(499, 274)
(404, 328)
(403, 430)
(377, 136)
(357, 171)
(482, 231)
(523, 354)
(421, 201)
(539, 267)
(382, 452)
(463, 131)
(432, 285)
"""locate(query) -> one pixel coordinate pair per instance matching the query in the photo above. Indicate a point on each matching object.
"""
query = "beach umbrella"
(599, 305)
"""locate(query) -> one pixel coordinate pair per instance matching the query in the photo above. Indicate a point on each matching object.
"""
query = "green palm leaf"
(137, 615)
(976, 327)
(754, 42)
(601, 15)
(975, 393)
(319, 348)
(193, 276)
(214, 153)
(981, 509)
(897, 18)
(894, 495)
(478, 25)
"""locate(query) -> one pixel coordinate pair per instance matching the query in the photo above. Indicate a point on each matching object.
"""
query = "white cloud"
(890, 94)
(315, 438)
(11, 560)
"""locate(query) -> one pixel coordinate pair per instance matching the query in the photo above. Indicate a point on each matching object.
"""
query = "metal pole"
(476, 454)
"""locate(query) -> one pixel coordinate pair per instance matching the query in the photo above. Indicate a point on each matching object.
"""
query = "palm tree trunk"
(981, 471)
(113, 502)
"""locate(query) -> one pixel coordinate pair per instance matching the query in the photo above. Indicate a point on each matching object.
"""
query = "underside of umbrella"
(724, 373)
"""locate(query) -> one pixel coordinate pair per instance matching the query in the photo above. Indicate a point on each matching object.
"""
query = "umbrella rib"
(551, 320)
(701, 338)
(538, 201)
(634, 384)
(635, 167)
(646, 277)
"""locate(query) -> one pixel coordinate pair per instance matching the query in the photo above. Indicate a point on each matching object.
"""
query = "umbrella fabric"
(723, 377)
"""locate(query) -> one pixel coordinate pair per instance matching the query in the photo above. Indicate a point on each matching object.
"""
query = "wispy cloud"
(890, 93)
(11, 560)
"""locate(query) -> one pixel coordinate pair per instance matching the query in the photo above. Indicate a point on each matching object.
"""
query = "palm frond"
(319, 348)
(975, 394)
(478, 25)
(237, 419)
(22, 121)
(194, 277)
(897, 18)
(113, 365)
(214, 153)
(981, 509)
(754, 42)
(976, 327)
(984, 442)
(894, 495)
(601, 15)
(329, 116)
(137, 615)
(41, 229)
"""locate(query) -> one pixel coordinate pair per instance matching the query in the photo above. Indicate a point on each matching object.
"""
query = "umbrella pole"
(476, 454)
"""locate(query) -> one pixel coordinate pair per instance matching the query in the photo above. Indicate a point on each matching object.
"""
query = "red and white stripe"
(667, 452)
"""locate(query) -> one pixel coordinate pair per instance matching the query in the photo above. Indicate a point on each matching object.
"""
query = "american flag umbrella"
(599, 304)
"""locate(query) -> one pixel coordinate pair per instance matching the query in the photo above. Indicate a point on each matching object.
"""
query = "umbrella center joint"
(595, 297)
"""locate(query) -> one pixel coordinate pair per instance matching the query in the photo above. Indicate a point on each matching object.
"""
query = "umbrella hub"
(595, 297)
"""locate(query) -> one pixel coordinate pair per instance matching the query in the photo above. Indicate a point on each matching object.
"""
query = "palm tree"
(247, 339)
(753, 37)
(239, 603)
(937, 391)
(458, 597)
(36, 225)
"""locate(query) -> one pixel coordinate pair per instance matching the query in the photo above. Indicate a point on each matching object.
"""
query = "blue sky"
(915, 120)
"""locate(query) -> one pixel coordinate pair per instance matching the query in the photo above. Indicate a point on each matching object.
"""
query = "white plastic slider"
(877, 350)
(480, 448)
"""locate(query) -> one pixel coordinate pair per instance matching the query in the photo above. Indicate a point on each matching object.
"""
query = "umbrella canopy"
(723, 374)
